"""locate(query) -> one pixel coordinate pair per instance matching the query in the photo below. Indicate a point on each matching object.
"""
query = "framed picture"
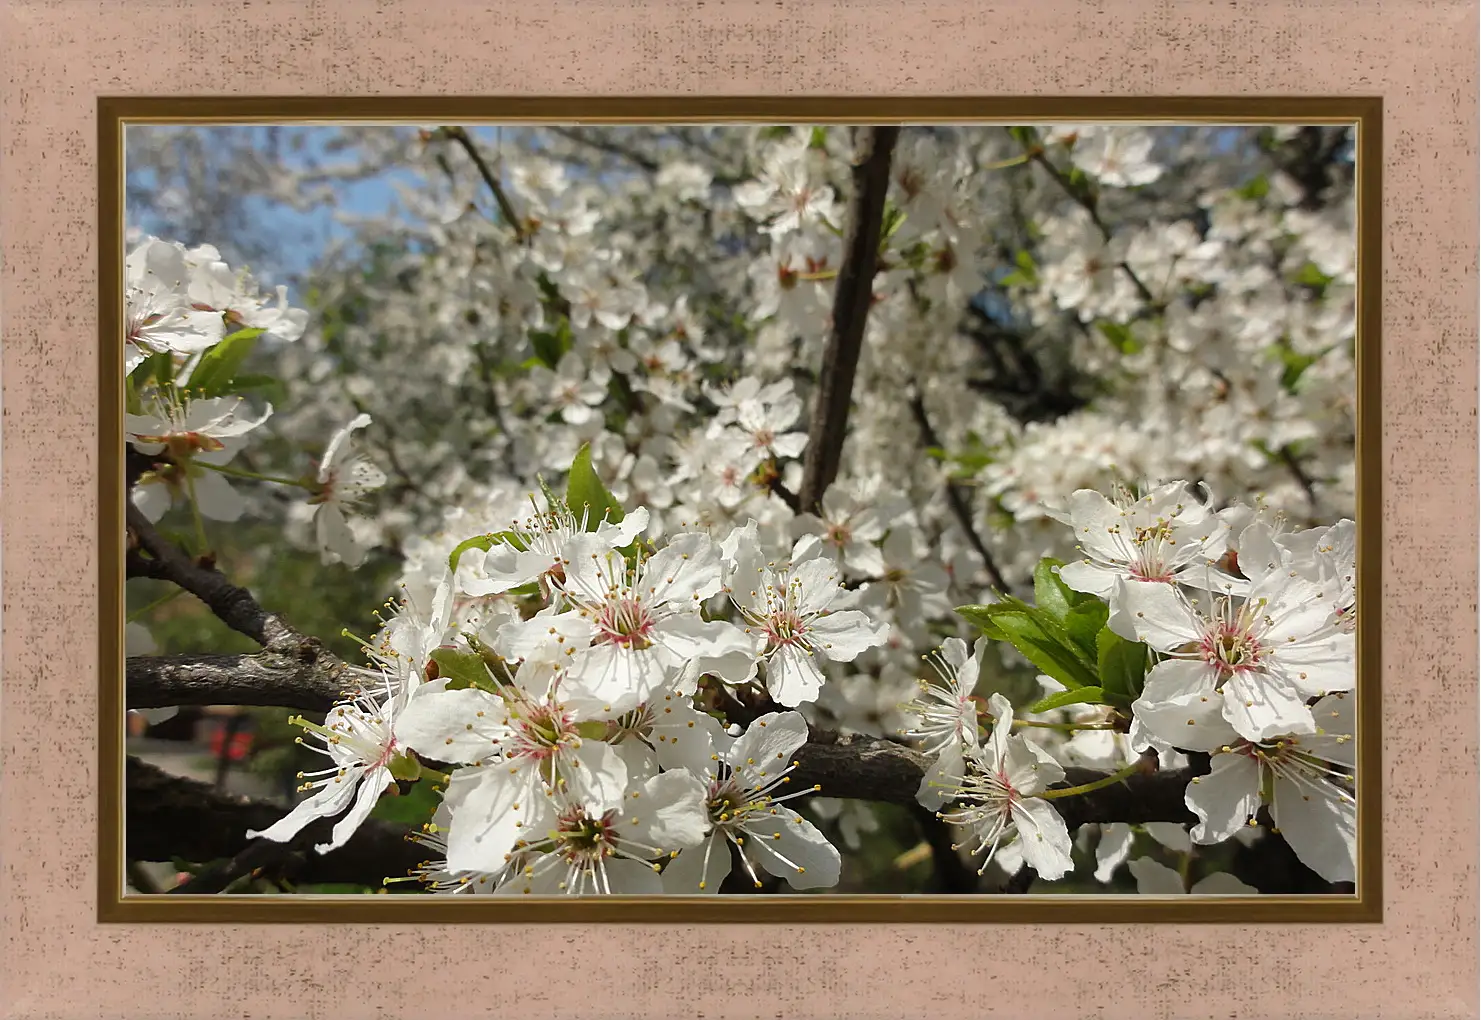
(957, 280)
(677, 510)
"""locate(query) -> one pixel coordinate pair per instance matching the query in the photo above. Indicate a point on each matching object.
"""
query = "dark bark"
(866, 768)
(151, 555)
(171, 817)
(266, 679)
(852, 296)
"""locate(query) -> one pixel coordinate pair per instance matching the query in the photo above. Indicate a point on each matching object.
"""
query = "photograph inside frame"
(741, 510)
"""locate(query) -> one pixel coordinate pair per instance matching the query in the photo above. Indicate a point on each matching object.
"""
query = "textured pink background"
(58, 56)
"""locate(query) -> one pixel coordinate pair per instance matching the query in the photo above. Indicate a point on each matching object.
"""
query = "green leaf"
(1084, 623)
(1063, 699)
(551, 347)
(1122, 665)
(463, 670)
(1026, 262)
(484, 542)
(213, 374)
(157, 368)
(1025, 136)
(1079, 613)
(1121, 337)
(1017, 279)
(1295, 363)
(1037, 637)
(552, 501)
(1256, 189)
(272, 387)
(412, 809)
(1036, 643)
(1310, 276)
(981, 618)
(585, 492)
(1052, 595)
(819, 138)
(894, 219)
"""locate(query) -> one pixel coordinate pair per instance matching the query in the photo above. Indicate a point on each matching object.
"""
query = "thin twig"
(852, 296)
(506, 208)
(1088, 203)
(956, 498)
(152, 555)
(611, 148)
(785, 494)
(1293, 465)
(638, 159)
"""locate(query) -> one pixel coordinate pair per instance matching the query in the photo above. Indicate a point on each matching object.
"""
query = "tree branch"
(847, 766)
(852, 297)
(956, 498)
(506, 208)
(268, 679)
(865, 768)
(1087, 202)
(171, 817)
(151, 555)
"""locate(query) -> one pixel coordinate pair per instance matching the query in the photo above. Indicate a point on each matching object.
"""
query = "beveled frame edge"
(1364, 907)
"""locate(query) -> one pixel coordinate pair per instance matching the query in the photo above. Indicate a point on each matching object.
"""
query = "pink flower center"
(542, 732)
(785, 627)
(1231, 650)
(581, 837)
(626, 623)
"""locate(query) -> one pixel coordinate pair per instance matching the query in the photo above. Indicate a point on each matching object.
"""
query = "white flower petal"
(1043, 838)
(1319, 821)
(1154, 879)
(1260, 706)
(699, 870)
(461, 726)
(1225, 799)
(370, 788)
(795, 850)
(1112, 849)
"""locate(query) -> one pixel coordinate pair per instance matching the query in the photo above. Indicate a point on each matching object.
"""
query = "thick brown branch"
(853, 295)
(865, 768)
(170, 817)
(265, 679)
(152, 555)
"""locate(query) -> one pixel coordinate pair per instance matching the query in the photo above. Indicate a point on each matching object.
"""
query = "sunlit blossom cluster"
(1062, 317)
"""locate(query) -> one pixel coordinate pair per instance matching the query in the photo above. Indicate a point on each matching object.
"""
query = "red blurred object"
(237, 750)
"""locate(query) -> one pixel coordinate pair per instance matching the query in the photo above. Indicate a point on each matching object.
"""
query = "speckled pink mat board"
(705, 479)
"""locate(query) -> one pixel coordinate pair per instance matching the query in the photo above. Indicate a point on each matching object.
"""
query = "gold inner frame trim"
(116, 112)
